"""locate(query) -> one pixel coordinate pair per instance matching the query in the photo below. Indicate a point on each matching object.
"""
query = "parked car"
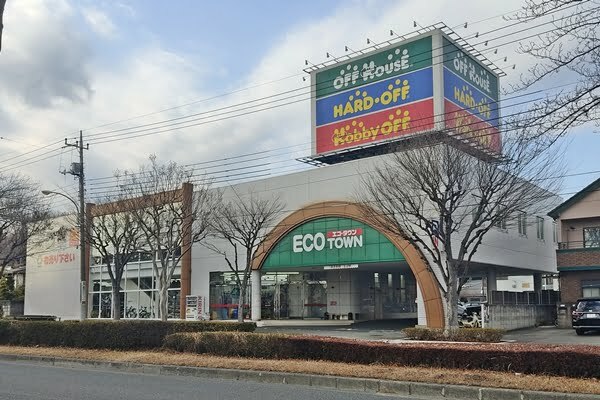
(586, 315)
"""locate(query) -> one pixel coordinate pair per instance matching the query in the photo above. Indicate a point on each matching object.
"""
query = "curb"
(418, 390)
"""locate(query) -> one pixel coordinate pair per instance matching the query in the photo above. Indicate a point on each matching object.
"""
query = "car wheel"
(579, 332)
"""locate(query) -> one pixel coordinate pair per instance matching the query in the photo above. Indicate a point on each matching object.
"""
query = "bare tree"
(569, 52)
(172, 215)
(23, 218)
(116, 235)
(243, 222)
(2, 4)
(445, 201)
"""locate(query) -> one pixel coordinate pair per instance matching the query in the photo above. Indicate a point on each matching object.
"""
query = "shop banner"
(331, 243)
(470, 127)
(392, 61)
(375, 97)
(375, 127)
(470, 70)
(467, 97)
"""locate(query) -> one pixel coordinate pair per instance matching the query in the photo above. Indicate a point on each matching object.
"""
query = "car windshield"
(589, 305)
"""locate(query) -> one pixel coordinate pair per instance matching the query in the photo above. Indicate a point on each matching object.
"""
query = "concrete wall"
(500, 247)
(511, 317)
(52, 284)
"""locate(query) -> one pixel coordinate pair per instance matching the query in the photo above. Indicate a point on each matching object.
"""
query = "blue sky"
(68, 65)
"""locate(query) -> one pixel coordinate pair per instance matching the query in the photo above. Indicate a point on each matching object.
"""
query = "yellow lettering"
(358, 105)
(348, 109)
(337, 111)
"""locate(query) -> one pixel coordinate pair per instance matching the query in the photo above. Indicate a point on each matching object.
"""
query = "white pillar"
(421, 316)
(491, 284)
(256, 298)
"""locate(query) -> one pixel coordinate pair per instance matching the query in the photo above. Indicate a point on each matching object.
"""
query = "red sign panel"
(344, 233)
(468, 126)
(375, 127)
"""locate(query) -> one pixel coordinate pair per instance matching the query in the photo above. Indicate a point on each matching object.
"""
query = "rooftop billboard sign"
(399, 90)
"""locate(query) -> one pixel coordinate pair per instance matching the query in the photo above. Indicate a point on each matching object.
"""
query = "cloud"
(64, 90)
(99, 22)
(44, 61)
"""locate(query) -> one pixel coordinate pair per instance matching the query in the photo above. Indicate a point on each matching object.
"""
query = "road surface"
(22, 381)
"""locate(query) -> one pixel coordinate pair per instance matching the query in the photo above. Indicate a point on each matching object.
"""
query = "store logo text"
(342, 239)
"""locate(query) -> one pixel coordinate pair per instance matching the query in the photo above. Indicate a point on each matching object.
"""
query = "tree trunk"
(451, 297)
(163, 299)
(240, 317)
(116, 303)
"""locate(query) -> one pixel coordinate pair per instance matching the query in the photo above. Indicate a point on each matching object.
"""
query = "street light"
(82, 274)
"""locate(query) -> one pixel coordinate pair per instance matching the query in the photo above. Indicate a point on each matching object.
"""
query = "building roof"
(575, 198)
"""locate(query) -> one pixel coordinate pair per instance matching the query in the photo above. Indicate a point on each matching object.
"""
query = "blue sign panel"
(467, 97)
(402, 89)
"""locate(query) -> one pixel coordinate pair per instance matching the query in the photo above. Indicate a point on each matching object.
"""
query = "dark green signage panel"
(329, 242)
(467, 68)
(385, 64)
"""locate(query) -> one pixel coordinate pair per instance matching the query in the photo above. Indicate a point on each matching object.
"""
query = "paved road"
(368, 330)
(21, 381)
(552, 335)
(390, 330)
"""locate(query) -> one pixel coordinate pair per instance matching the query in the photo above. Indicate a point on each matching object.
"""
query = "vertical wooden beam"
(186, 261)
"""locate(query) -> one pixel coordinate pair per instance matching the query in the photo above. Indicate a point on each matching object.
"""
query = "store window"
(591, 237)
(522, 223)
(501, 224)
(224, 296)
(540, 227)
(137, 290)
(590, 288)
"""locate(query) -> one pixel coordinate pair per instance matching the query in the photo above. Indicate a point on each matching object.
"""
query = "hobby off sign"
(342, 239)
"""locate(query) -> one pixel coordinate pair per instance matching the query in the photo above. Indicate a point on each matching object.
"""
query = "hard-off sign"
(395, 92)
(384, 95)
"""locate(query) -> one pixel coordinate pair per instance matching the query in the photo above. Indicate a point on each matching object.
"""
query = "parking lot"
(391, 330)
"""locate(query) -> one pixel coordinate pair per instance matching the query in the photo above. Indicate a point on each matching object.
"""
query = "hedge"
(559, 360)
(486, 335)
(120, 335)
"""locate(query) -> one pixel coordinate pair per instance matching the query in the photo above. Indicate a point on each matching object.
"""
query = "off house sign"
(336, 239)
(331, 243)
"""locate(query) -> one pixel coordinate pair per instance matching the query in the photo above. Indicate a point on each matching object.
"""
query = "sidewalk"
(423, 391)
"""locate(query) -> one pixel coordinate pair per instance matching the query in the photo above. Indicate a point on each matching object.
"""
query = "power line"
(417, 121)
(107, 134)
(283, 78)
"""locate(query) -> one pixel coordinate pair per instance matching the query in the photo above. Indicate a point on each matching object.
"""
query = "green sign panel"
(392, 61)
(470, 70)
(331, 242)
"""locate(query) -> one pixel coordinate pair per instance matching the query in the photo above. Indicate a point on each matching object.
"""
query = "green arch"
(373, 247)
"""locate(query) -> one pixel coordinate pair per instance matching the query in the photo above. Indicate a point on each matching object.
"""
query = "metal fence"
(11, 308)
(579, 244)
(548, 297)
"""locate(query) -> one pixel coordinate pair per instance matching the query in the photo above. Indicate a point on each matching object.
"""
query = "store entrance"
(339, 294)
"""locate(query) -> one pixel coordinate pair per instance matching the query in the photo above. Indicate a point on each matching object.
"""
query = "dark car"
(586, 315)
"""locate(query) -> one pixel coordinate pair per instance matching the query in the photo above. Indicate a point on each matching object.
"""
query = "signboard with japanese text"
(331, 243)
(471, 107)
(385, 94)
(397, 91)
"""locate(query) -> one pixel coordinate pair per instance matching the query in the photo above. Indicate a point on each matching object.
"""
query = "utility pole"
(77, 170)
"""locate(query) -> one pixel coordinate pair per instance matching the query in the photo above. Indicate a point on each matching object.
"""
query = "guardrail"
(579, 244)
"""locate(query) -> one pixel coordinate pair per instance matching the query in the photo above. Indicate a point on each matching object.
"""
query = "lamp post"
(82, 273)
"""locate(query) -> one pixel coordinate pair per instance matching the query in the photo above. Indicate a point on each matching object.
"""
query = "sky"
(103, 66)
